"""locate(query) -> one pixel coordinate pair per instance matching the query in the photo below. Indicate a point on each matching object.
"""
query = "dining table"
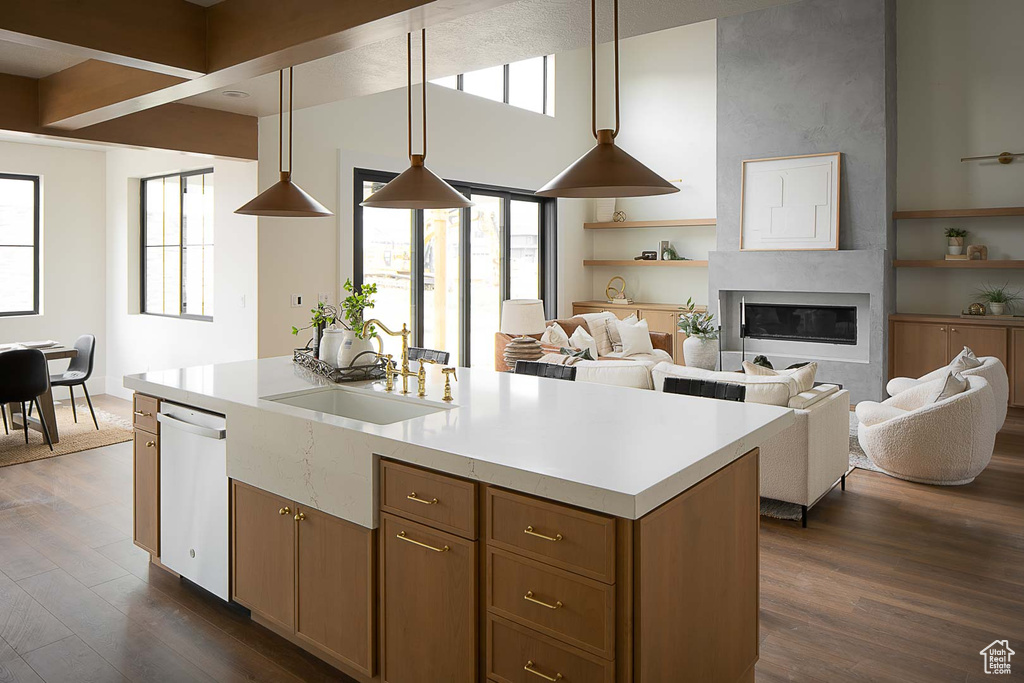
(17, 420)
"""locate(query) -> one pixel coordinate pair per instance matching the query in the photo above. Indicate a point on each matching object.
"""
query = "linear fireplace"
(800, 322)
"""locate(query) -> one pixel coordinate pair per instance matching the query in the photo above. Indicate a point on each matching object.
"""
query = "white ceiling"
(518, 30)
(34, 62)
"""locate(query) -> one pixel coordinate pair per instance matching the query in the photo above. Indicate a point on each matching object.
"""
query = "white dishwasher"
(194, 496)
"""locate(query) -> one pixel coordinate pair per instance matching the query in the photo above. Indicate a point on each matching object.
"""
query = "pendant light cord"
(593, 65)
(408, 89)
(423, 81)
(291, 115)
(280, 119)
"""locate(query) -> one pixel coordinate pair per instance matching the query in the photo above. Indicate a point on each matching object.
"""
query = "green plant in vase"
(955, 240)
(700, 349)
(999, 298)
(321, 316)
(354, 306)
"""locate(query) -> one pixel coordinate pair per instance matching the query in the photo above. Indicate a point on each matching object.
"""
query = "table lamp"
(521, 317)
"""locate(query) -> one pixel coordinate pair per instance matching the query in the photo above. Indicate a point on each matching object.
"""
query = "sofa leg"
(803, 516)
(842, 483)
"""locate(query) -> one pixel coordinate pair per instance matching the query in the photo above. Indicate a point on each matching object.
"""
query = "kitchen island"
(531, 529)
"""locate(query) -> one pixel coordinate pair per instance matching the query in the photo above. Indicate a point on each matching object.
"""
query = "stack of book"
(956, 257)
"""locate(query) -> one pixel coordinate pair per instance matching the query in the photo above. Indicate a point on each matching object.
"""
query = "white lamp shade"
(522, 316)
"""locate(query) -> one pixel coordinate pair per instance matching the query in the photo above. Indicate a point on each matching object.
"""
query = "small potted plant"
(700, 349)
(956, 241)
(353, 309)
(321, 316)
(999, 298)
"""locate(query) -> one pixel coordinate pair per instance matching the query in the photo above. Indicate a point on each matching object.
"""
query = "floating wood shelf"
(678, 223)
(958, 264)
(631, 262)
(961, 213)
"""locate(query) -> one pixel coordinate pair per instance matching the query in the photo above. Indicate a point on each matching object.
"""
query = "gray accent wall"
(811, 77)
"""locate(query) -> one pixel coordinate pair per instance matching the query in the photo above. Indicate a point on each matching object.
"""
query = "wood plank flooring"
(891, 581)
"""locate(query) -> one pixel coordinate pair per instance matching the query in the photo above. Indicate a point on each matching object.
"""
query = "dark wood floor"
(891, 582)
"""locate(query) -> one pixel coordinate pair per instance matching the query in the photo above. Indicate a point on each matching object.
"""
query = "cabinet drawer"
(144, 413)
(437, 500)
(582, 542)
(571, 608)
(516, 655)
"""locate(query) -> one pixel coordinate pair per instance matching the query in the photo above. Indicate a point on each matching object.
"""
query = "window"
(177, 245)
(445, 272)
(19, 244)
(527, 84)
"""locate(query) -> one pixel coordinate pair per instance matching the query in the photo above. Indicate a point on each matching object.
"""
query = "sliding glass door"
(445, 272)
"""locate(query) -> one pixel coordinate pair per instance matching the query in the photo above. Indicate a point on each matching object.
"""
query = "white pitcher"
(351, 347)
(331, 344)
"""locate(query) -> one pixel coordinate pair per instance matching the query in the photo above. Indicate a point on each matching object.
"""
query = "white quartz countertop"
(615, 450)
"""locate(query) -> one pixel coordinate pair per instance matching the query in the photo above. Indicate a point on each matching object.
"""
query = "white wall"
(470, 139)
(138, 343)
(72, 257)
(960, 92)
(668, 94)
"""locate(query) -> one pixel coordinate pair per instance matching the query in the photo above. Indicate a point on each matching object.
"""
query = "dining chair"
(23, 379)
(79, 370)
(550, 370)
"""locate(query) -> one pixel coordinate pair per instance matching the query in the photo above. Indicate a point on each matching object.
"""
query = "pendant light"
(284, 198)
(606, 170)
(417, 187)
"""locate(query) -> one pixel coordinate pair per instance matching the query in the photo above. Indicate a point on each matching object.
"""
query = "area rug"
(858, 459)
(73, 437)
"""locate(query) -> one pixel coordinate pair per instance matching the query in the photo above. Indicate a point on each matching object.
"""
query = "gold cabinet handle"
(413, 496)
(139, 413)
(529, 668)
(300, 516)
(529, 530)
(402, 537)
(530, 598)
(150, 444)
(284, 511)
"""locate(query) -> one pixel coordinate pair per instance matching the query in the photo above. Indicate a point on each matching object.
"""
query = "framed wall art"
(790, 203)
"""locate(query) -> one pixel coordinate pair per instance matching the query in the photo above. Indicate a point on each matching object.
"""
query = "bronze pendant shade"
(417, 187)
(284, 198)
(605, 171)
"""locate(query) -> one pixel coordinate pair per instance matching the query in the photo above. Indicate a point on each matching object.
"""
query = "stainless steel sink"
(364, 406)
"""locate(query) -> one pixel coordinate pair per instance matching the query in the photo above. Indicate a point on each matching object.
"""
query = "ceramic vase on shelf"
(956, 246)
(700, 353)
(996, 308)
(604, 210)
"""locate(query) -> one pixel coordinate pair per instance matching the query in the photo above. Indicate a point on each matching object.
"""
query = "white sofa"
(991, 369)
(947, 442)
(803, 463)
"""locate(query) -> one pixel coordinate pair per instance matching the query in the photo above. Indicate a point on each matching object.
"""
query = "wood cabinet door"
(336, 588)
(263, 553)
(620, 313)
(429, 598)
(146, 491)
(984, 341)
(918, 348)
(1016, 368)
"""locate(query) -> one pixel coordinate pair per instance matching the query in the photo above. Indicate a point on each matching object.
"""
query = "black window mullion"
(506, 89)
(465, 280)
(418, 279)
(544, 85)
(181, 244)
(506, 246)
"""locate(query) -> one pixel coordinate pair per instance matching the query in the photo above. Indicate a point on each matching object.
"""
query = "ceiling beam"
(179, 127)
(246, 39)
(165, 36)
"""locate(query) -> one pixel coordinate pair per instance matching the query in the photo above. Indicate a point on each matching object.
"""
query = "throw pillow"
(613, 333)
(953, 384)
(582, 354)
(599, 324)
(581, 339)
(636, 337)
(965, 360)
(804, 375)
(555, 336)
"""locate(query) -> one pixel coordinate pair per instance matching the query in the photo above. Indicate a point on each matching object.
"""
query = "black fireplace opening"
(801, 322)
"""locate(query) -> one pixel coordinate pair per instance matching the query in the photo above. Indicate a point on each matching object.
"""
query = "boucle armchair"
(948, 443)
(991, 369)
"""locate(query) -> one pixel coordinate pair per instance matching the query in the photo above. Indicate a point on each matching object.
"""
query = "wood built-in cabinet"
(919, 344)
(306, 575)
(659, 317)
(146, 475)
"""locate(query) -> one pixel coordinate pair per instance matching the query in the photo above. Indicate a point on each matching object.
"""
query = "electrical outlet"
(241, 301)
(296, 300)
(324, 297)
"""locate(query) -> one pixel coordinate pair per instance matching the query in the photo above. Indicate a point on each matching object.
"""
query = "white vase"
(330, 345)
(351, 347)
(700, 353)
(955, 250)
(604, 210)
(996, 309)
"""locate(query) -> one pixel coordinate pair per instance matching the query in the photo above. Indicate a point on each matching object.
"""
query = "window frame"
(547, 285)
(181, 245)
(36, 247)
(546, 108)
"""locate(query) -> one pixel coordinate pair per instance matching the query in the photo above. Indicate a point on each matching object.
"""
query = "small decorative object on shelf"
(604, 209)
(367, 366)
(957, 257)
(616, 294)
(646, 256)
(977, 252)
(619, 217)
(955, 244)
(1000, 298)
(700, 350)
(975, 309)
